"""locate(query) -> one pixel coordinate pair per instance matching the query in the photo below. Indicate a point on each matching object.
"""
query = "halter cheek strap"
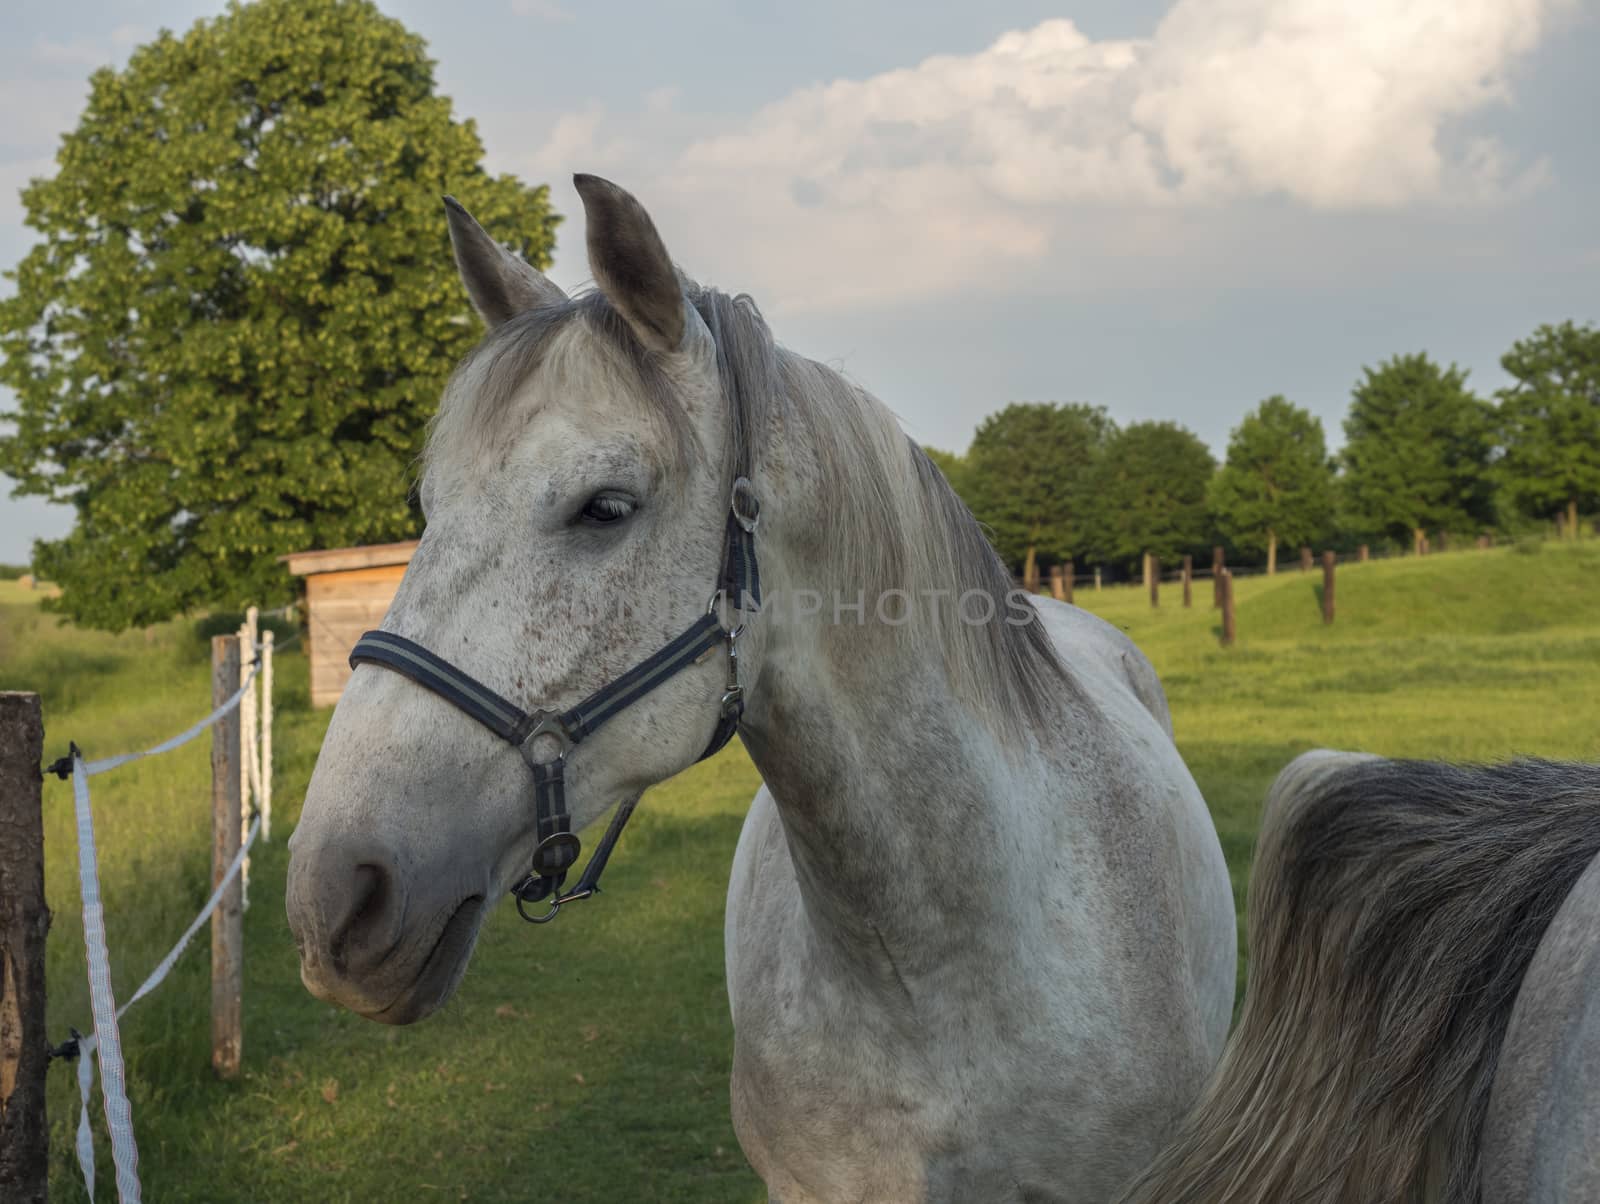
(546, 737)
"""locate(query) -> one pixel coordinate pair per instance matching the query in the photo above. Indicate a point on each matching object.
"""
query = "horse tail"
(1394, 907)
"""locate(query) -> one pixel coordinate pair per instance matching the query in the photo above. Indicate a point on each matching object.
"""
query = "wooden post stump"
(1155, 580)
(1058, 591)
(24, 921)
(1227, 608)
(1188, 580)
(1328, 561)
(1305, 559)
(1361, 553)
(1066, 576)
(1216, 577)
(227, 922)
(1097, 576)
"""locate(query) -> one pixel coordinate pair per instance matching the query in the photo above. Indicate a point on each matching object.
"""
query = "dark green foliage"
(1276, 488)
(1028, 476)
(1151, 489)
(242, 307)
(953, 466)
(1550, 421)
(10, 572)
(228, 622)
(1417, 444)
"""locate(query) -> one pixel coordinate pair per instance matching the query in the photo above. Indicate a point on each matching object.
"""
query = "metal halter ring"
(549, 724)
(555, 903)
(720, 597)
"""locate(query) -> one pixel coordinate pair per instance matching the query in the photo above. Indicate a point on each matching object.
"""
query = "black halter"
(545, 737)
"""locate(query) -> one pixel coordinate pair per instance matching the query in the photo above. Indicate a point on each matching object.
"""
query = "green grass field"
(588, 1060)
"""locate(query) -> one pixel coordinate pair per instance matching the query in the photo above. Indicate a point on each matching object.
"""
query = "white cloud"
(77, 53)
(919, 179)
(38, 112)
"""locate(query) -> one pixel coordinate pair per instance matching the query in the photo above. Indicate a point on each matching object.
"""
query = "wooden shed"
(348, 591)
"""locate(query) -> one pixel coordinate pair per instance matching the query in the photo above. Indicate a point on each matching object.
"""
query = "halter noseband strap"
(545, 737)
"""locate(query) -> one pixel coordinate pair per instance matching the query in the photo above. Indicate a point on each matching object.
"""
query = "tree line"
(1424, 457)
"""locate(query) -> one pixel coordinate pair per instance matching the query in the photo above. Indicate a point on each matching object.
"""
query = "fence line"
(104, 1046)
(1062, 579)
(1362, 554)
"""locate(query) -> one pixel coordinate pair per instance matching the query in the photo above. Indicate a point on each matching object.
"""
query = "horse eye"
(604, 508)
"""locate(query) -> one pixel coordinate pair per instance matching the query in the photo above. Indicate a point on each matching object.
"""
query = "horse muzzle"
(369, 941)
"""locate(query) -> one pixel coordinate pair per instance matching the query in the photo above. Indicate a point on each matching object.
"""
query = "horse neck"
(892, 791)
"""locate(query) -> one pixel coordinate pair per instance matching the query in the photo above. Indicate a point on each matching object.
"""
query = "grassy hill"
(588, 1060)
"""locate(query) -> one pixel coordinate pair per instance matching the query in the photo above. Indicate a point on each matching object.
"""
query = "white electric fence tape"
(96, 767)
(106, 1041)
(119, 1115)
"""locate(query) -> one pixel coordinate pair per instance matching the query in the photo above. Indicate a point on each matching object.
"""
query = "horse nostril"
(365, 932)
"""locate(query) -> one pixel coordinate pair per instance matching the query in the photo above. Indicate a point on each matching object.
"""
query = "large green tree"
(1417, 444)
(1028, 474)
(1151, 485)
(242, 308)
(1277, 484)
(1550, 421)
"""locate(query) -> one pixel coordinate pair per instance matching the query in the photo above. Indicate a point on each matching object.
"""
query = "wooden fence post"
(247, 705)
(227, 926)
(1361, 553)
(1188, 579)
(1155, 580)
(1328, 561)
(266, 734)
(1058, 591)
(1305, 559)
(249, 765)
(1067, 575)
(1216, 576)
(24, 921)
(1227, 608)
(1097, 576)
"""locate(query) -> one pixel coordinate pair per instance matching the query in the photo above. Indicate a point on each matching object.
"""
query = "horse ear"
(500, 284)
(631, 265)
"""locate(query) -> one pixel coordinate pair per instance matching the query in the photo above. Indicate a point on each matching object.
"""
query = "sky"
(1172, 208)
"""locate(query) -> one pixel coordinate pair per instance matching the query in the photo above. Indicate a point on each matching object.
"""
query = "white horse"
(980, 935)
